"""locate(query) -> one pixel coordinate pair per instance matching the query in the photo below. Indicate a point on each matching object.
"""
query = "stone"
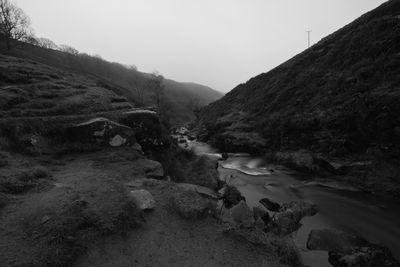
(202, 190)
(238, 215)
(137, 147)
(143, 199)
(260, 212)
(117, 141)
(270, 204)
(369, 256)
(101, 131)
(300, 208)
(231, 196)
(153, 169)
(190, 205)
(333, 240)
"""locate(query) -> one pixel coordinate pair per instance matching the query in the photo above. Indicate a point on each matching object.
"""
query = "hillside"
(340, 97)
(179, 98)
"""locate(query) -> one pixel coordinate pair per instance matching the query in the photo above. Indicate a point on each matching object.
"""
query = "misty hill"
(179, 99)
(340, 97)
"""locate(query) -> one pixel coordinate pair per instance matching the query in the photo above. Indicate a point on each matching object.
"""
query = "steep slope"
(123, 80)
(341, 96)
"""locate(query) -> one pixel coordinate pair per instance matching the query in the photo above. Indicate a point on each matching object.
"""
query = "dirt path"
(99, 181)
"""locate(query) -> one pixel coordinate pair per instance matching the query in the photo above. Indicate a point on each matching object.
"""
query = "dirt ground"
(78, 214)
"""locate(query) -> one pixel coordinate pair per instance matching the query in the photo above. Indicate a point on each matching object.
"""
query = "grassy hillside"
(178, 97)
(340, 97)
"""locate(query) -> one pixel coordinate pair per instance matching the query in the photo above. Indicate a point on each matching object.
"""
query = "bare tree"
(47, 43)
(69, 49)
(158, 81)
(138, 87)
(14, 23)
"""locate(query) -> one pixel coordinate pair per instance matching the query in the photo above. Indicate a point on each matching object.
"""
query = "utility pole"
(308, 35)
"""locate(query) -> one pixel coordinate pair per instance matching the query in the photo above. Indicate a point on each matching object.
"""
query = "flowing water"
(377, 219)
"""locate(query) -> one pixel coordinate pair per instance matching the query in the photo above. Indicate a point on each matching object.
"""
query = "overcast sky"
(219, 43)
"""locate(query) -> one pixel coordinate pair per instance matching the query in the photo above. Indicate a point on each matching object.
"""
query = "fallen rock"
(301, 208)
(333, 240)
(260, 213)
(153, 169)
(270, 204)
(304, 161)
(101, 131)
(190, 205)
(143, 199)
(231, 196)
(202, 190)
(239, 215)
(288, 219)
(370, 256)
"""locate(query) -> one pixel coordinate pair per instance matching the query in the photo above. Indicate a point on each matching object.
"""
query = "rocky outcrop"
(204, 191)
(190, 205)
(287, 220)
(305, 161)
(153, 169)
(101, 131)
(143, 199)
(147, 127)
(239, 215)
(230, 196)
(270, 204)
(371, 256)
(333, 240)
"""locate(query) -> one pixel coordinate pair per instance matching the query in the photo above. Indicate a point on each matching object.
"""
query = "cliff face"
(341, 96)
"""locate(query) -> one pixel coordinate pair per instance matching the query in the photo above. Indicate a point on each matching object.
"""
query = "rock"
(300, 208)
(304, 161)
(205, 191)
(153, 169)
(231, 196)
(238, 215)
(288, 219)
(260, 224)
(101, 131)
(284, 223)
(143, 199)
(333, 240)
(137, 147)
(146, 125)
(270, 205)
(117, 141)
(260, 212)
(370, 256)
(190, 205)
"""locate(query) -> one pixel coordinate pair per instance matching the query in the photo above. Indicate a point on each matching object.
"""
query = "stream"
(376, 219)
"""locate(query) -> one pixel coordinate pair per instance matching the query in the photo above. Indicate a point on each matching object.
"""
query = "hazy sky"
(219, 43)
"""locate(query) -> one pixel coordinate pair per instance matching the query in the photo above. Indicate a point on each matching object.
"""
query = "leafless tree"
(158, 81)
(47, 43)
(68, 49)
(14, 23)
(139, 89)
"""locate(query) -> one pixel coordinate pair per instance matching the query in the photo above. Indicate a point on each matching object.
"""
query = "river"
(375, 218)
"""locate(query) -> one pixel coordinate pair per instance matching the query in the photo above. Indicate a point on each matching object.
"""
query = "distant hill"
(339, 97)
(181, 98)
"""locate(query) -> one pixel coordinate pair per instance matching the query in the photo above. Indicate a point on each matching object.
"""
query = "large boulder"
(202, 190)
(304, 161)
(231, 196)
(147, 126)
(190, 205)
(369, 256)
(153, 169)
(333, 240)
(143, 199)
(101, 131)
(270, 204)
(287, 220)
(239, 215)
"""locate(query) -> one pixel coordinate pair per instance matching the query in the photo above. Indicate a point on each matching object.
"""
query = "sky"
(218, 43)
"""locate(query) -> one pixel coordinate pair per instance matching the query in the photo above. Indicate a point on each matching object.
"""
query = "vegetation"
(340, 97)
(14, 23)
